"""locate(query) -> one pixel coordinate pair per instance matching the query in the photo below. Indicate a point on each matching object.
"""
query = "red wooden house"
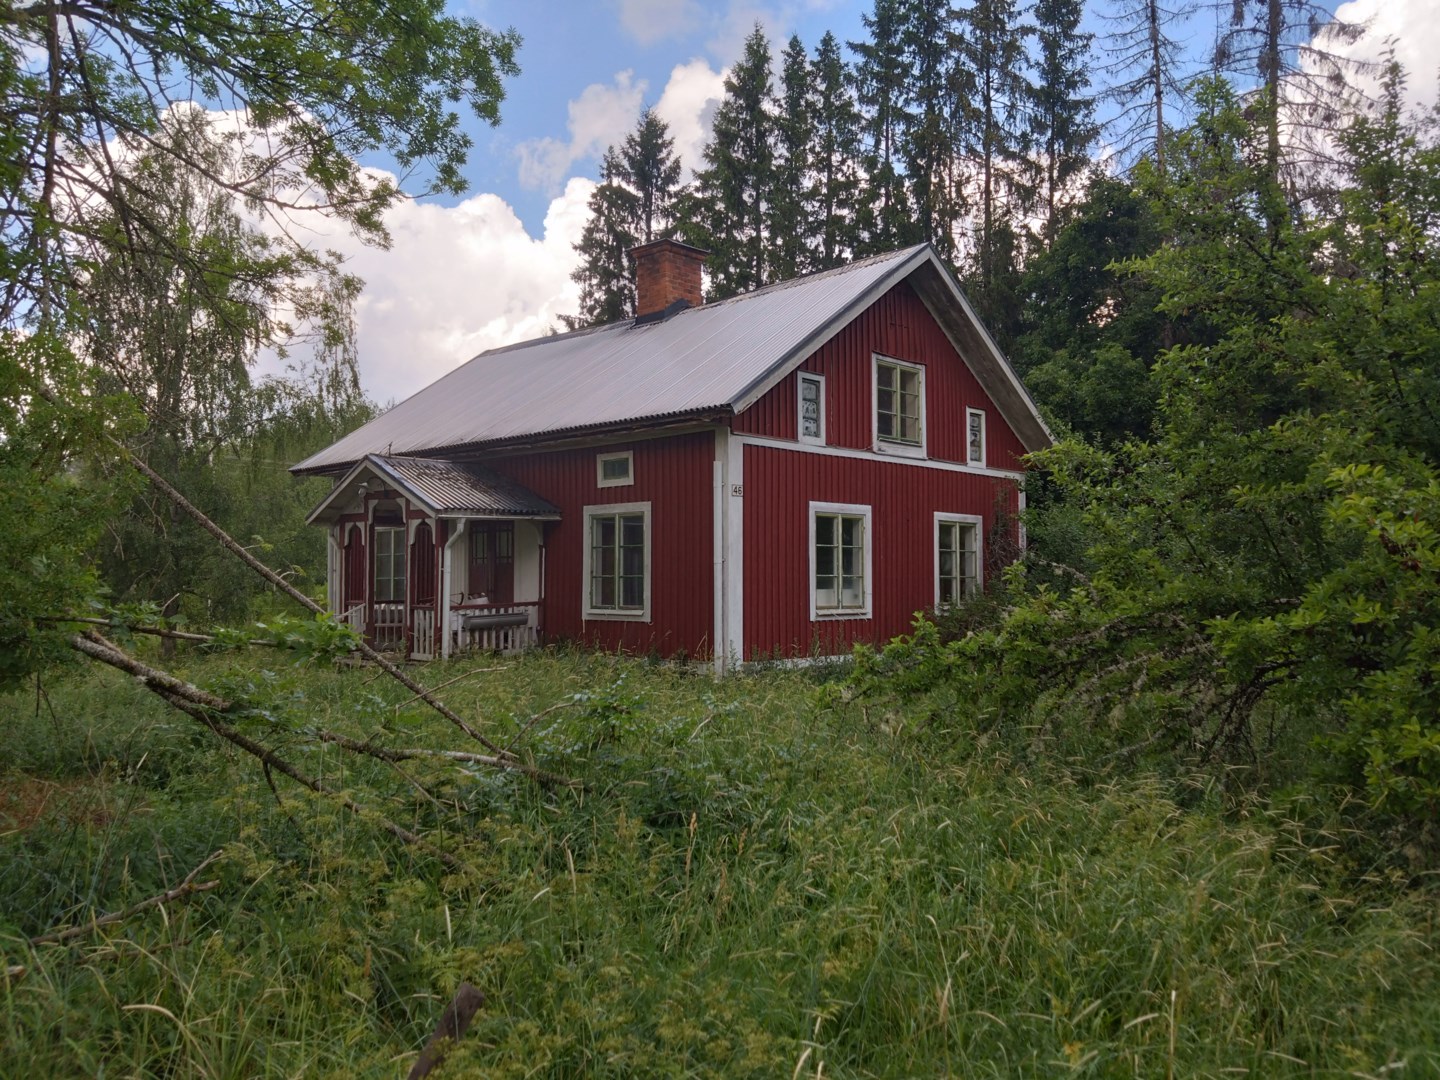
(781, 474)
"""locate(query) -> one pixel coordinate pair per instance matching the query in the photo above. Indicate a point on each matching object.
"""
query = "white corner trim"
(851, 510)
(587, 613)
(869, 455)
(941, 517)
(733, 643)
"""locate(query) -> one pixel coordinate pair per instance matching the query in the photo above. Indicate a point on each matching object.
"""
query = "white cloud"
(1411, 26)
(688, 105)
(601, 116)
(459, 280)
(650, 21)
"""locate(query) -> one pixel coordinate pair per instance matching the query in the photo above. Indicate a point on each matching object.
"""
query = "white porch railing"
(422, 633)
(502, 628)
(389, 627)
(354, 618)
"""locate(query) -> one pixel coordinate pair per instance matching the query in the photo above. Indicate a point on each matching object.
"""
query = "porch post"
(443, 604)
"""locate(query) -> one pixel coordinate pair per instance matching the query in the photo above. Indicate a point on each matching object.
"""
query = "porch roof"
(444, 488)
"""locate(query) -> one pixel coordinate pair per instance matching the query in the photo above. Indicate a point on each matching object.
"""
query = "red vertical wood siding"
(675, 475)
(903, 499)
(900, 326)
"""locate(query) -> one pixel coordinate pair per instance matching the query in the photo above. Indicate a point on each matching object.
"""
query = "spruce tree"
(607, 289)
(1146, 60)
(994, 134)
(1281, 44)
(880, 79)
(733, 192)
(1062, 114)
(652, 172)
(832, 198)
(928, 123)
(791, 228)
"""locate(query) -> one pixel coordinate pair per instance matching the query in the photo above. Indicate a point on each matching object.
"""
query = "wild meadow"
(760, 876)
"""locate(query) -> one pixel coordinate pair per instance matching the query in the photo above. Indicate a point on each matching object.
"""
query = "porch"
(432, 558)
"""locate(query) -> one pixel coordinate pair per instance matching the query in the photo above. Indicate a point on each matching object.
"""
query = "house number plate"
(738, 490)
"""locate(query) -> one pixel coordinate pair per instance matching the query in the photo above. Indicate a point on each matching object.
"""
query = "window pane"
(615, 468)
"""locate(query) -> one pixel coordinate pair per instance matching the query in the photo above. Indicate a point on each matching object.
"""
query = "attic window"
(899, 407)
(615, 470)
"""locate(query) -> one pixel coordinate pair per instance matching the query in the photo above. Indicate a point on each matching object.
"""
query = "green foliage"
(749, 884)
(50, 516)
(1269, 555)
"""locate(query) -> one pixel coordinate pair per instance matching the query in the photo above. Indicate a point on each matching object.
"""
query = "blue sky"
(493, 267)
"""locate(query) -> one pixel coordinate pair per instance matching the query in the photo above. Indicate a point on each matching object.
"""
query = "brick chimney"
(666, 271)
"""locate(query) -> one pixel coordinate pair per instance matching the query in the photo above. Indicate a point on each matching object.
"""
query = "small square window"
(810, 424)
(975, 436)
(615, 470)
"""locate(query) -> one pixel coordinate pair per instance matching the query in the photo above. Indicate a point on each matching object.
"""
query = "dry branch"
(204, 706)
(383, 753)
(188, 887)
(454, 1022)
(240, 552)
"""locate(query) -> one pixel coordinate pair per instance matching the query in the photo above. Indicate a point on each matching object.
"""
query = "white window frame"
(980, 461)
(978, 523)
(628, 456)
(396, 534)
(589, 612)
(892, 446)
(800, 379)
(818, 614)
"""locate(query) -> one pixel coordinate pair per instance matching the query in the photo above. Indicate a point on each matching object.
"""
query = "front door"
(492, 561)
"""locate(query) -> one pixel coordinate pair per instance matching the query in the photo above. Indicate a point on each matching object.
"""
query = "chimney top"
(667, 278)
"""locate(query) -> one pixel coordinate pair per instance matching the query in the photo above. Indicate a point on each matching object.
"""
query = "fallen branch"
(449, 682)
(454, 1022)
(240, 552)
(188, 887)
(204, 707)
(382, 753)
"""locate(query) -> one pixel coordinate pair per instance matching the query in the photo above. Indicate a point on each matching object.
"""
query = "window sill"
(899, 449)
(838, 616)
(615, 616)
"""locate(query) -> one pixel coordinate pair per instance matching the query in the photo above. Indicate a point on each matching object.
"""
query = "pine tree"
(607, 289)
(994, 135)
(1063, 115)
(880, 78)
(1146, 59)
(652, 172)
(791, 229)
(928, 123)
(733, 192)
(833, 195)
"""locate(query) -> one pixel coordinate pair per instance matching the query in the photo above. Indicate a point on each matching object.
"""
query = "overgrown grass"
(756, 881)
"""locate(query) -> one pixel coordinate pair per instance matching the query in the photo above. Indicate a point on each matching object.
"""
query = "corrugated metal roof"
(700, 361)
(453, 487)
(448, 488)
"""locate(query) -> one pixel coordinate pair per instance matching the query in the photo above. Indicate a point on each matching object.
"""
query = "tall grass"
(756, 881)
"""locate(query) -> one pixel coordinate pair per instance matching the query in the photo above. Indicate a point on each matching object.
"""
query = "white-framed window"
(975, 436)
(810, 395)
(899, 396)
(617, 561)
(389, 564)
(615, 470)
(958, 540)
(840, 561)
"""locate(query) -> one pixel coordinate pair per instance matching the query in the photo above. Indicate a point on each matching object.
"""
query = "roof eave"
(708, 413)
